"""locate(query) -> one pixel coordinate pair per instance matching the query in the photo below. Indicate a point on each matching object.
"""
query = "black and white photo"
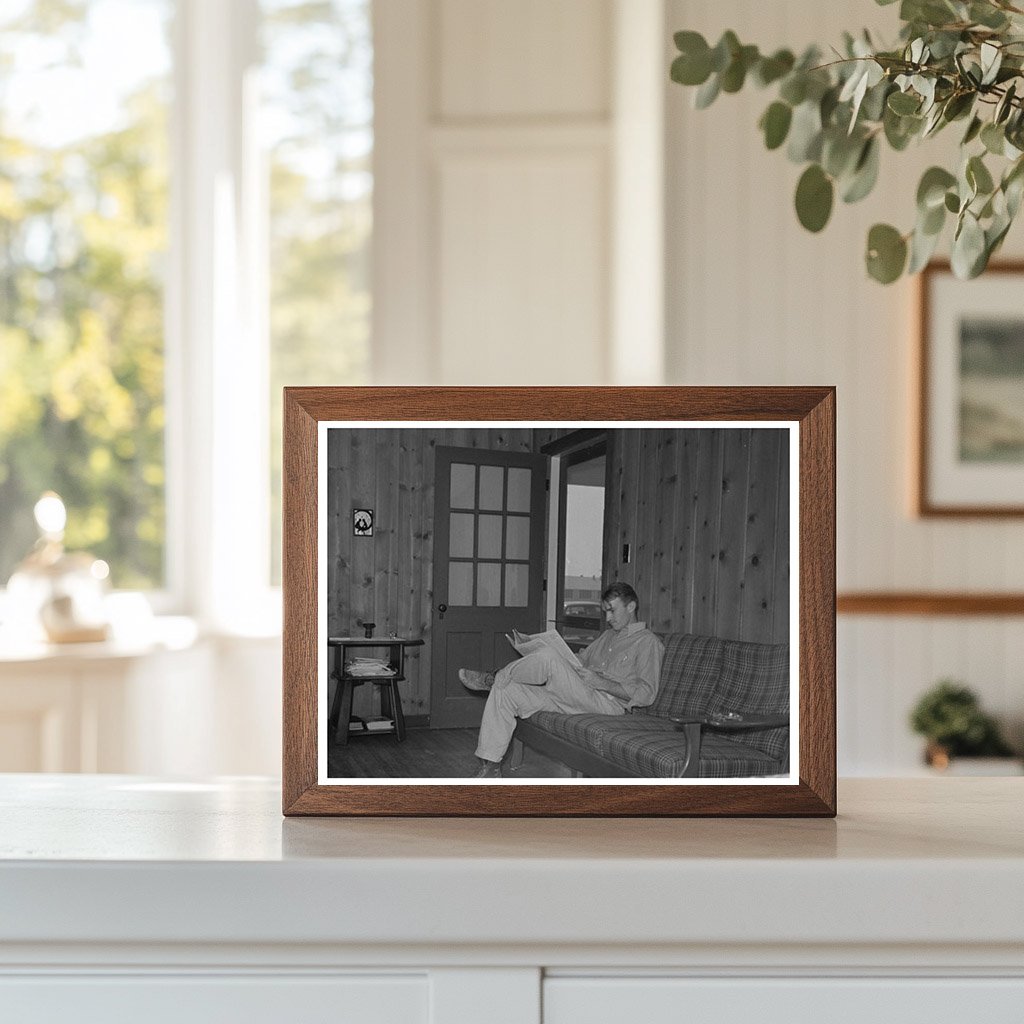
(650, 564)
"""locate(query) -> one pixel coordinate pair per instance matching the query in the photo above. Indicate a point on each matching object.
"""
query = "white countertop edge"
(471, 902)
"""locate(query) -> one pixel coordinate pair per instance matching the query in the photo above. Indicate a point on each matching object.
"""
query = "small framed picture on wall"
(362, 522)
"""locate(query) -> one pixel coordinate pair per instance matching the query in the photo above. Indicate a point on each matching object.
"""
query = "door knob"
(442, 608)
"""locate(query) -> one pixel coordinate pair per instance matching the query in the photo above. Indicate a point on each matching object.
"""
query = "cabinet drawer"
(783, 1000)
(205, 999)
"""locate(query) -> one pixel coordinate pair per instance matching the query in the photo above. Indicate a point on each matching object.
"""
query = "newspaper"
(529, 643)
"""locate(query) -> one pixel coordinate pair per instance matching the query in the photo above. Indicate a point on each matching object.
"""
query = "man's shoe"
(480, 681)
(489, 770)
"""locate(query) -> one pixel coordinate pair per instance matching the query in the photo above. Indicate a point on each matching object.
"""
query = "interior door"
(489, 512)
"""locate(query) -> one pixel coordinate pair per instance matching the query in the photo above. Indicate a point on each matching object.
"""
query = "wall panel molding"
(928, 603)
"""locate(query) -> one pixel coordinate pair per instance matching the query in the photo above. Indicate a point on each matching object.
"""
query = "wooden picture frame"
(970, 419)
(661, 422)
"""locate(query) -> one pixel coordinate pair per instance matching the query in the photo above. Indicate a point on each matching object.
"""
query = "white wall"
(500, 159)
(754, 299)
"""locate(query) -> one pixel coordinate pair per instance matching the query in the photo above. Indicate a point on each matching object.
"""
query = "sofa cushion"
(755, 678)
(653, 747)
(586, 730)
(690, 668)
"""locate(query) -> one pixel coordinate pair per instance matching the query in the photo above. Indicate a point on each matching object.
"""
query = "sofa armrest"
(693, 728)
(732, 722)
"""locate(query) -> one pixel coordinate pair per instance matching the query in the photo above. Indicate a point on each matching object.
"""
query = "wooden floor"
(425, 754)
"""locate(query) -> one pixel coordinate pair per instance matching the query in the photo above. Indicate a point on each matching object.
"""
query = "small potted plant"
(950, 717)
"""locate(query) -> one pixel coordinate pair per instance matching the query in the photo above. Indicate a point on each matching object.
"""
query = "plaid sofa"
(704, 679)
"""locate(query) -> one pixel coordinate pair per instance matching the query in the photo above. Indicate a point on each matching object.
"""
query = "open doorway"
(580, 576)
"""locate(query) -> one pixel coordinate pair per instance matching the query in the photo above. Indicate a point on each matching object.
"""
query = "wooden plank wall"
(706, 515)
(387, 579)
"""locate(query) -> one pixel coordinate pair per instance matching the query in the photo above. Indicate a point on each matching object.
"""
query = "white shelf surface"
(107, 859)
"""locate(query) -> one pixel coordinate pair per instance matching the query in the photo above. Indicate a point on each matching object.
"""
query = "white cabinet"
(202, 999)
(824, 1000)
(128, 898)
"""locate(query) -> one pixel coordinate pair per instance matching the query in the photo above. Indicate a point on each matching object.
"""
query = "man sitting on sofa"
(620, 672)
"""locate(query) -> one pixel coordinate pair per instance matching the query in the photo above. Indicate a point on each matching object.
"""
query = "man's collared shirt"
(631, 656)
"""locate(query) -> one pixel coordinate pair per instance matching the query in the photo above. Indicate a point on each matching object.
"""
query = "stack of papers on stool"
(368, 667)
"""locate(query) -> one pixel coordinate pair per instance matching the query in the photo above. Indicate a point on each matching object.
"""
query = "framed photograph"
(575, 601)
(971, 393)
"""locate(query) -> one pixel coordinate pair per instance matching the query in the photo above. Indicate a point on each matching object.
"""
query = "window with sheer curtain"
(101, 161)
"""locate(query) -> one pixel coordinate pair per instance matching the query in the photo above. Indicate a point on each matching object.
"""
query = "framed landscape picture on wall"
(581, 601)
(970, 451)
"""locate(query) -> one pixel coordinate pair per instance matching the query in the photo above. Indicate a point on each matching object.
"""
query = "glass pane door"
(489, 536)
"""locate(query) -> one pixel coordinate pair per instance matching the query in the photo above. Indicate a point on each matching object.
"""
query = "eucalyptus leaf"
(805, 133)
(707, 93)
(724, 51)
(943, 44)
(1005, 104)
(952, 202)
(693, 65)
(771, 69)
(814, 195)
(991, 61)
(993, 138)
(858, 77)
(1014, 192)
(1015, 172)
(978, 176)
(987, 15)
(865, 174)
(828, 104)
(933, 122)
(840, 152)
(817, 84)
(886, 254)
(900, 130)
(930, 12)
(931, 190)
(865, 75)
(973, 129)
(775, 123)
(873, 106)
(968, 247)
(925, 88)
(1013, 187)
(932, 221)
(966, 187)
(735, 74)
(995, 233)
(794, 88)
(903, 103)
(922, 248)
(688, 41)
(958, 105)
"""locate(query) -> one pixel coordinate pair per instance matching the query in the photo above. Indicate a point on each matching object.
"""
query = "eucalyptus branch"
(833, 117)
